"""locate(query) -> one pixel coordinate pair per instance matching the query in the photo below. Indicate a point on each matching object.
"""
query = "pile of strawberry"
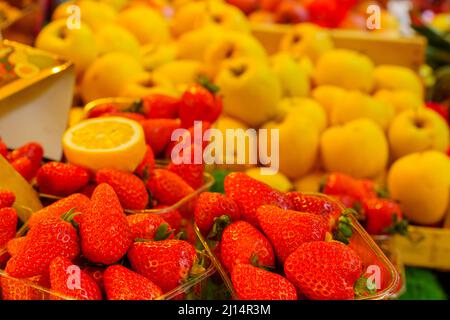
(8, 220)
(26, 160)
(88, 248)
(160, 115)
(278, 245)
(378, 214)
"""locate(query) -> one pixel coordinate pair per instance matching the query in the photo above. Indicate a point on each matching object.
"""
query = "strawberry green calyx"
(162, 232)
(344, 229)
(70, 215)
(220, 223)
(364, 287)
(136, 107)
(398, 226)
(206, 83)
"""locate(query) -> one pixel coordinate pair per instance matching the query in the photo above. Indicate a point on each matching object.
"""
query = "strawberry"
(51, 238)
(243, 243)
(250, 194)
(32, 151)
(199, 104)
(173, 218)
(342, 184)
(211, 206)
(252, 283)
(129, 188)
(8, 226)
(24, 167)
(288, 229)
(13, 289)
(104, 231)
(383, 216)
(77, 201)
(15, 245)
(149, 226)
(123, 284)
(3, 149)
(167, 187)
(97, 274)
(7, 198)
(190, 172)
(191, 139)
(158, 132)
(321, 206)
(69, 280)
(61, 179)
(102, 109)
(123, 114)
(324, 270)
(158, 106)
(166, 263)
(145, 168)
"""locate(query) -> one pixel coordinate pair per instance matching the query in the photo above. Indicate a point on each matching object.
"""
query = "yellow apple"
(251, 91)
(146, 84)
(181, 72)
(355, 105)
(401, 99)
(95, 14)
(109, 74)
(346, 69)
(233, 45)
(293, 77)
(114, 38)
(147, 24)
(306, 39)
(307, 107)
(397, 78)
(358, 148)
(420, 183)
(116, 4)
(277, 181)
(328, 97)
(154, 56)
(193, 44)
(298, 144)
(77, 45)
(309, 183)
(416, 131)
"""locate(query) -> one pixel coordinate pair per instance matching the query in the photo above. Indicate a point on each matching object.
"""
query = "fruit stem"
(220, 223)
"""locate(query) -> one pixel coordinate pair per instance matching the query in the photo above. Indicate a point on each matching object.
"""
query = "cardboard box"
(36, 90)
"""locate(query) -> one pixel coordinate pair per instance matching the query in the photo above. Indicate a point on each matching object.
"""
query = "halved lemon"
(111, 142)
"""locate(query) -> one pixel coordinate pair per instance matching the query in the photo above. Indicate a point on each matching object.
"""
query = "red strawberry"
(96, 273)
(32, 151)
(47, 240)
(324, 270)
(190, 172)
(3, 149)
(321, 206)
(61, 179)
(288, 229)
(129, 188)
(8, 226)
(7, 198)
(342, 184)
(149, 226)
(242, 243)
(383, 216)
(252, 283)
(122, 114)
(158, 132)
(24, 167)
(250, 194)
(77, 201)
(145, 168)
(102, 109)
(211, 206)
(199, 104)
(124, 284)
(173, 218)
(167, 263)
(190, 140)
(158, 106)
(15, 245)
(167, 187)
(104, 231)
(13, 289)
(70, 281)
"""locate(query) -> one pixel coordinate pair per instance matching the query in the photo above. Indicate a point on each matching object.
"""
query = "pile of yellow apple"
(335, 110)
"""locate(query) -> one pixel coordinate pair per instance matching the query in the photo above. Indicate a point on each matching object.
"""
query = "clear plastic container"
(371, 255)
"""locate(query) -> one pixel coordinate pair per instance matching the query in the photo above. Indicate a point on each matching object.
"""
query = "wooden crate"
(382, 49)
